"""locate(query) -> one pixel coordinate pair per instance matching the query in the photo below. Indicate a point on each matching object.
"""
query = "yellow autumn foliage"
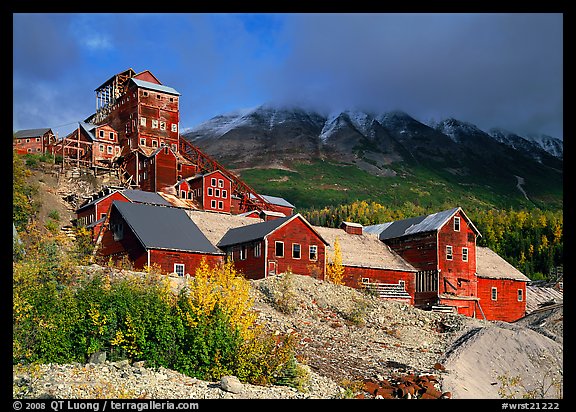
(224, 287)
(335, 269)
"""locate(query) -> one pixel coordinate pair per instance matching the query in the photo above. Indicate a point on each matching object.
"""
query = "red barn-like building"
(156, 235)
(34, 141)
(501, 287)
(276, 246)
(211, 190)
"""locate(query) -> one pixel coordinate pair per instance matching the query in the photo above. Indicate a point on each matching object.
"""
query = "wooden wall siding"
(207, 199)
(457, 276)
(31, 145)
(188, 170)
(191, 260)
(464, 307)
(296, 231)
(162, 107)
(95, 211)
(419, 250)
(353, 276)
(288, 211)
(165, 165)
(506, 308)
(129, 246)
(252, 267)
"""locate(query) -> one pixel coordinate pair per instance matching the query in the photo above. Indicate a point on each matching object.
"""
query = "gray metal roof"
(142, 196)
(30, 133)
(419, 224)
(279, 201)
(89, 129)
(159, 227)
(153, 86)
(250, 233)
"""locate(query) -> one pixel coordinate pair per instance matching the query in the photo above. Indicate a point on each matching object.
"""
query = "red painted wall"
(457, 276)
(506, 308)
(252, 267)
(221, 192)
(166, 260)
(419, 250)
(165, 170)
(296, 231)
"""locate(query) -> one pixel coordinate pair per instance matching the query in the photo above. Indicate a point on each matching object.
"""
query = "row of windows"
(19, 141)
(494, 294)
(155, 143)
(450, 255)
(220, 204)
(213, 182)
(109, 149)
(156, 123)
(218, 193)
(158, 96)
(111, 135)
(279, 251)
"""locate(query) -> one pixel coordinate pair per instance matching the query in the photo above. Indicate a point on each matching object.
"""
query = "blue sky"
(490, 69)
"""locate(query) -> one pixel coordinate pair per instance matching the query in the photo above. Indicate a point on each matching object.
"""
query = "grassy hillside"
(321, 183)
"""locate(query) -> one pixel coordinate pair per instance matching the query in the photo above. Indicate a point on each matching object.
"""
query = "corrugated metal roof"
(30, 133)
(250, 233)
(279, 201)
(159, 227)
(419, 224)
(142, 196)
(89, 129)
(491, 265)
(153, 86)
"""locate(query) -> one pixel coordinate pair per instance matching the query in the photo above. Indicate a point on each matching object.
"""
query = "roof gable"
(20, 134)
(153, 86)
(415, 225)
(159, 227)
(142, 196)
(259, 231)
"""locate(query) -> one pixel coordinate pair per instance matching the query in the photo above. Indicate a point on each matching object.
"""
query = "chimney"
(351, 228)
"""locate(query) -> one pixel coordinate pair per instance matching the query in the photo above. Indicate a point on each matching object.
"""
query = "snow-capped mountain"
(270, 135)
(551, 144)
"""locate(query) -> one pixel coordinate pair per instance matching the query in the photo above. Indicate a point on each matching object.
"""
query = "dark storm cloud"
(494, 70)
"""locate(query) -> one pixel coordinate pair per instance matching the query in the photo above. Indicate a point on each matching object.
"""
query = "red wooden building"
(369, 263)
(212, 191)
(452, 270)
(501, 287)
(442, 246)
(276, 246)
(34, 141)
(93, 211)
(156, 235)
(90, 145)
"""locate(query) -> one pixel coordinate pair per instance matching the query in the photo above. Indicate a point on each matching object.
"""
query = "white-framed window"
(213, 204)
(154, 124)
(174, 127)
(142, 141)
(217, 192)
(101, 133)
(520, 295)
(142, 121)
(465, 254)
(38, 149)
(101, 147)
(224, 194)
(210, 192)
(313, 252)
(494, 293)
(456, 224)
(279, 249)
(183, 194)
(365, 280)
(145, 94)
(159, 97)
(220, 205)
(220, 183)
(111, 136)
(295, 250)
(117, 230)
(213, 182)
(243, 252)
(402, 283)
(448, 252)
(110, 149)
(162, 125)
(117, 149)
(257, 249)
(154, 143)
(27, 140)
(179, 269)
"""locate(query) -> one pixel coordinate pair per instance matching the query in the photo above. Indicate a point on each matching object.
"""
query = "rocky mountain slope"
(387, 145)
